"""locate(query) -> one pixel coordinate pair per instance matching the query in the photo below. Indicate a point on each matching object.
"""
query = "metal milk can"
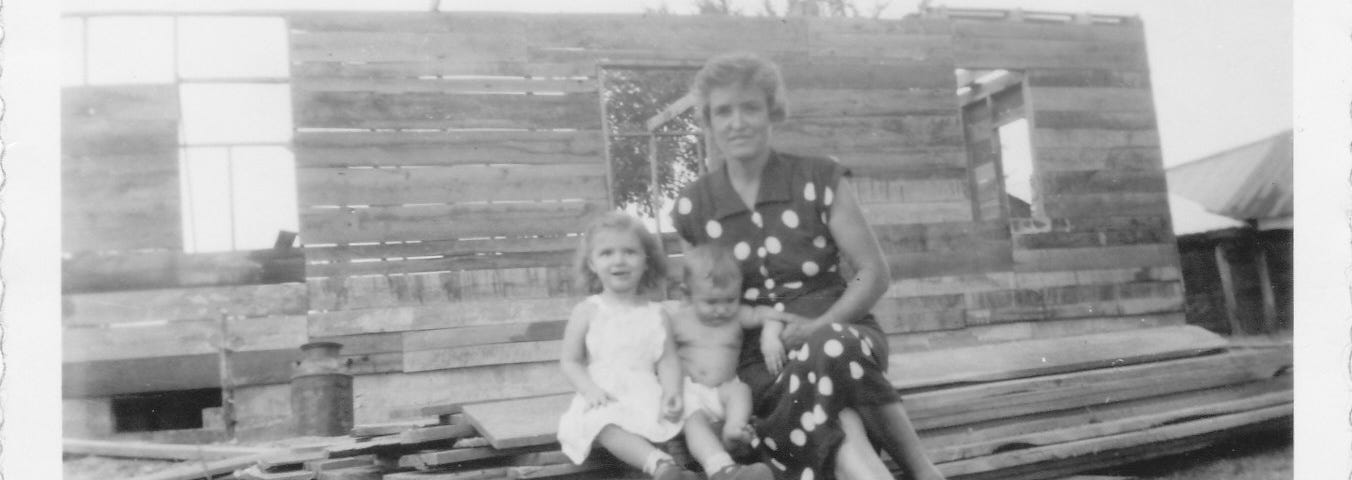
(321, 391)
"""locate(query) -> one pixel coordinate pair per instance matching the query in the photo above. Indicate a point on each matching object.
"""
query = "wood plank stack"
(1085, 403)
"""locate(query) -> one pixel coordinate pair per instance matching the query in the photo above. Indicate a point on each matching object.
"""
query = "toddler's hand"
(596, 398)
(773, 350)
(672, 406)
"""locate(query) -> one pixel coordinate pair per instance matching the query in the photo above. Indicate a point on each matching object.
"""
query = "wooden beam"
(163, 451)
(1228, 289)
(1265, 285)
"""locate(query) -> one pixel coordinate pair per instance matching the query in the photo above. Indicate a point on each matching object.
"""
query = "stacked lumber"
(1023, 410)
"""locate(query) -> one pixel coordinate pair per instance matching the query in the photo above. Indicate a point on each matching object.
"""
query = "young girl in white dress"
(617, 354)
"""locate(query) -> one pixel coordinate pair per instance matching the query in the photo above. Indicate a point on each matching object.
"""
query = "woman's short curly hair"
(654, 258)
(737, 69)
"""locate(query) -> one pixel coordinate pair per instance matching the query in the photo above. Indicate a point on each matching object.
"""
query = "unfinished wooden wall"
(138, 314)
(400, 186)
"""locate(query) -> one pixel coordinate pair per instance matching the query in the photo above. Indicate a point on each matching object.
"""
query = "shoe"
(755, 471)
(668, 470)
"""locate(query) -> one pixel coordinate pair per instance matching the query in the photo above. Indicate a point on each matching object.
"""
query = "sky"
(1222, 73)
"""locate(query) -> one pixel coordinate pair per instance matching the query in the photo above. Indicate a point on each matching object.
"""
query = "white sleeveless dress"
(623, 345)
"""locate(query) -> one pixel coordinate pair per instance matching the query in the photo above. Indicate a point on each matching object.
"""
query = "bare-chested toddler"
(707, 328)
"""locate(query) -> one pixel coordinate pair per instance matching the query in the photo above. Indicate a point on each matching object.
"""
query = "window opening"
(649, 164)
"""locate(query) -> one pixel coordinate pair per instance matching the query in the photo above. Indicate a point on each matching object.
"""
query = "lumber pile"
(1101, 402)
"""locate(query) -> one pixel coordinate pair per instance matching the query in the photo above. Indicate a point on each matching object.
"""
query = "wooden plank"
(917, 163)
(1037, 357)
(1065, 119)
(119, 102)
(100, 137)
(992, 53)
(125, 449)
(121, 202)
(874, 190)
(433, 291)
(1082, 389)
(479, 355)
(815, 102)
(1094, 414)
(433, 222)
(483, 474)
(940, 237)
(449, 263)
(1125, 35)
(1157, 255)
(948, 284)
(354, 473)
(205, 303)
(1092, 99)
(1099, 158)
(1114, 427)
(427, 110)
(436, 433)
(182, 338)
(994, 256)
(428, 68)
(825, 42)
(519, 423)
(137, 375)
(1115, 442)
(1110, 204)
(482, 335)
(465, 183)
(559, 245)
(1094, 138)
(413, 148)
(870, 134)
(378, 395)
(400, 46)
(448, 84)
(918, 212)
(1079, 77)
(982, 334)
(208, 470)
(119, 271)
(702, 36)
(862, 74)
(377, 21)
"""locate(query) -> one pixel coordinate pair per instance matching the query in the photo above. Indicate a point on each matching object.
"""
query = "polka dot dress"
(789, 261)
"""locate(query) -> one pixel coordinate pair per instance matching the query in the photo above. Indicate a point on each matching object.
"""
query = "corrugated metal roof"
(1252, 181)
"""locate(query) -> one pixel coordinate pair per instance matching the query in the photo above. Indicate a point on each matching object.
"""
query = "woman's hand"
(596, 398)
(672, 406)
(796, 334)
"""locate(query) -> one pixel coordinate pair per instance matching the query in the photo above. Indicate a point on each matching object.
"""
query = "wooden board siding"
(446, 164)
(119, 168)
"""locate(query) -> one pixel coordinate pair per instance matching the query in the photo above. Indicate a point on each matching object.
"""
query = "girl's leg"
(890, 424)
(631, 449)
(856, 459)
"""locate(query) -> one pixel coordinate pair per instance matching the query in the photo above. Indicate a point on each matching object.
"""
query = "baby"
(707, 328)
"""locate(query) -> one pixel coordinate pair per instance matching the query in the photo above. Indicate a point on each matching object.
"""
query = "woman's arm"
(573, 360)
(859, 247)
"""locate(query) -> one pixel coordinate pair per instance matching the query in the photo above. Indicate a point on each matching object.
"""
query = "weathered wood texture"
(876, 94)
(119, 168)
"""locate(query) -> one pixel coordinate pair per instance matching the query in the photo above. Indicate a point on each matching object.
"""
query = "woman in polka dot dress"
(789, 220)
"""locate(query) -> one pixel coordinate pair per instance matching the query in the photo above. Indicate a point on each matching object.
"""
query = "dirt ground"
(1261, 459)
(1267, 458)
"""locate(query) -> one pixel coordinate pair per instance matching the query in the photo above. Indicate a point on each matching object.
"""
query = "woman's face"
(740, 119)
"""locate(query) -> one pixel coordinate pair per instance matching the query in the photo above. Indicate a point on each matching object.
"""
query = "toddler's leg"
(736, 399)
(641, 454)
(717, 464)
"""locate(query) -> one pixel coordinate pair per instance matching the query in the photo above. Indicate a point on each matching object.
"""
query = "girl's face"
(618, 259)
(740, 119)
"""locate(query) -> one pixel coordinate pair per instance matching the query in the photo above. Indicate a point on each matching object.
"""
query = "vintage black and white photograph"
(676, 239)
